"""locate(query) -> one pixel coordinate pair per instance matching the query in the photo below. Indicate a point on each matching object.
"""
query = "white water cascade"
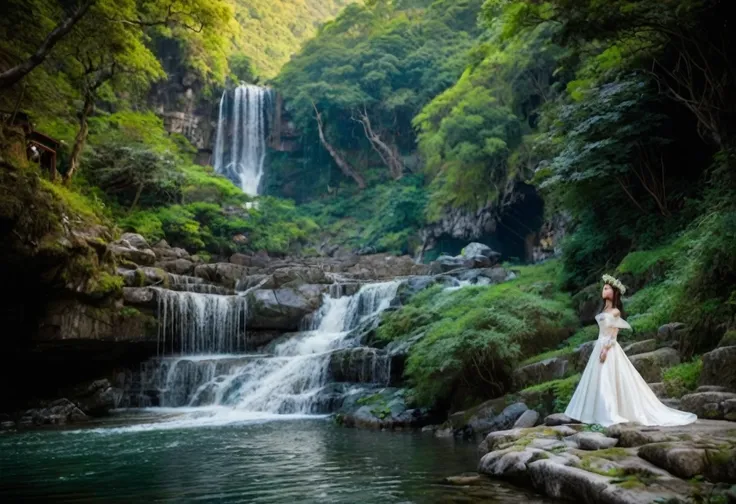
(291, 379)
(242, 129)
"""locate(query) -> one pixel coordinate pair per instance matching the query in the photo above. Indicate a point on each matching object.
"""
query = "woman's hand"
(604, 354)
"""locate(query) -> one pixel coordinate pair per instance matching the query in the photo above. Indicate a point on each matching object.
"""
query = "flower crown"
(614, 282)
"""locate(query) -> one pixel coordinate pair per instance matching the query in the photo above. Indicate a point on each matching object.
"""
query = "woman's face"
(607, 292)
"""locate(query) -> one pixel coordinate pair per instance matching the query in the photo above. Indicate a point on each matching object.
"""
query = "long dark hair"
(615, 302)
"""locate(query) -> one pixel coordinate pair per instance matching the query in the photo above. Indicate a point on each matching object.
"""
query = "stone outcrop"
(283, 308)
(625, 464)
(719, 368)
(540, 372)
(712, 405)
(651, 364)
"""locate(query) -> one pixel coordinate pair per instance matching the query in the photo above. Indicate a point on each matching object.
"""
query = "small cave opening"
(516, 233)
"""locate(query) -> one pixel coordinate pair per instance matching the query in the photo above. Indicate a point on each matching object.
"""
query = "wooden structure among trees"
(40, 147)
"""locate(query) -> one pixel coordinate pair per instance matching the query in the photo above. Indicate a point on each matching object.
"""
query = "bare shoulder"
(616, 312)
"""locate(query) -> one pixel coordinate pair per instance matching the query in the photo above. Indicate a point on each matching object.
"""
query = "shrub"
(682, 378)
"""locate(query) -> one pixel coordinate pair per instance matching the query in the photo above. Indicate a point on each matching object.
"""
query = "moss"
(109, 284)
(612, 453)
(140, 278)
(683, 378)
(728, 339)
(559, 391)
(129, 312)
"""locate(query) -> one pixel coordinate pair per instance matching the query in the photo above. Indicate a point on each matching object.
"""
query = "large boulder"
(478, 249)
(125, 251)
(651, 364)
(671, 332)
(144, 276)
(179, 266)
(59, 412)
(135, 240)
(139, 295)
(582, 355)
(682, 461)
(283, 308)
(527, 419)
(640, 347)
(712, 405)
(719, 368)
(95, 398)
(505, 420)
(297, 275)
(227, 274)
(540, 372)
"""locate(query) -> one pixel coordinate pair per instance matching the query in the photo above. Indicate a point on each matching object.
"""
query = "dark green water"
(307, 460)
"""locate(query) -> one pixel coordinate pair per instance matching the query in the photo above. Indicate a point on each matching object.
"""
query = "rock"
(255, 281)
(641, 347)
(682, 461)
(527, 419)
(480, 261)
(135, 240)
(477, 249)
(540, 372)
(241, 259)
(504, 421)
(510, 464)
(143, 257)
(95, 398)
(59, 412)
(728, 339)
(445, 263)
(299, 275)
(282, 308)
(711, 388)
(144, 276)
(587, 303)
(178, 266)
(671, 332)
(499, 440)
(559, 419)
(138, 295)
(226, 274)
(651, 364)
(719, 368)
(659, 389)
(712, 405)
(593, 441)
(167, 253)
(484, 411)
(582, 355)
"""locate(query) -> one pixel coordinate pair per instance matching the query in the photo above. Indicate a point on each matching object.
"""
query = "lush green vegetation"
(683, 378)
(468, 340)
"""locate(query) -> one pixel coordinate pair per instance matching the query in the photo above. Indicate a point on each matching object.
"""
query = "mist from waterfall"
(242, 131)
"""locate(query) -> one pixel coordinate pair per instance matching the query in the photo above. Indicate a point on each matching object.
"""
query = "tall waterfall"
(290, 379)
(242, 129)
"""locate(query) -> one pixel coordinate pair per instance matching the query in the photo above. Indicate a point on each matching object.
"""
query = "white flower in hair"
(614, 282)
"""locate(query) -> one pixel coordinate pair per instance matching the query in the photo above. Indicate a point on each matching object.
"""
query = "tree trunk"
(13, 75)
(81, 139)
(137, 197)
(344, 166)
(388, 153)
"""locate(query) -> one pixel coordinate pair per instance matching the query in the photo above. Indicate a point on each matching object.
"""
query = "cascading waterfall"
(289, 379)
(242, 129)
(194, 323)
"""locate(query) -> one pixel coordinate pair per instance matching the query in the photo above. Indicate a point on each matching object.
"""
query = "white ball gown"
(613, 391)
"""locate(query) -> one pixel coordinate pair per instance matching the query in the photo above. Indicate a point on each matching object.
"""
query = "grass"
(562, 391)
(683, 378)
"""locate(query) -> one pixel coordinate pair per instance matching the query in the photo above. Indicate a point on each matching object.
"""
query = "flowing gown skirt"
(614, 392)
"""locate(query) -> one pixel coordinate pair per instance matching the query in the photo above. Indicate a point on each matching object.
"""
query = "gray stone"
(360, 365)
(58, 412)
(226, 274)
(593, 441)
(651, 364)
(712, 405)
(671, 332)
(138, 295)
(178, 266)
(527, 419)
(135, 240)
(241, 259)
(540, 372)
(504, 421)
(477, 249)
(719, 368)
(282, 309)
(510, 464)
(641, 347)
(123, 250)
(682, 461)
(499, 440)
(559, 419)
(94, 398)
(659, 389)
(299, 275)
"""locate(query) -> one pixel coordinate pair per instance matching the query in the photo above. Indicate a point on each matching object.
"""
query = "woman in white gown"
(611, 390)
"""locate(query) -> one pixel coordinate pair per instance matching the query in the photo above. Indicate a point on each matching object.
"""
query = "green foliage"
(562, 391)
(382, 218)
(473, 336)
(683, 378)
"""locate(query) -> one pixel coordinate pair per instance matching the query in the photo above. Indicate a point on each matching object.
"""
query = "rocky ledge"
(621, 464)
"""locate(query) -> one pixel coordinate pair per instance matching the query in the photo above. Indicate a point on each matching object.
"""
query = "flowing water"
(242, 129)
(289, 379)
(309, 461)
